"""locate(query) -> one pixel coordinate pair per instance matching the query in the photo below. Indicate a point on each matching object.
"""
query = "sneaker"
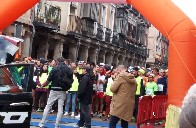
(39, 110)
(100, 115)
(91, 113)
(105, 119)
(76, 126)
(66, 114)
(78, 116)
(51, 111)
(34, 110)
(41, 125)
(72, 114)
(95, 114)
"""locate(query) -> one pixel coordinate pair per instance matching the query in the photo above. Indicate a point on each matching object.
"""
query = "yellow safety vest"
(110, 82)
(75, 84)
(79, 70)
(138, 80)
(42, 79)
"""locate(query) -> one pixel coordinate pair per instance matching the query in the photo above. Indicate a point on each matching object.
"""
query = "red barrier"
(151, 109)
(144, 110)
(159, 107)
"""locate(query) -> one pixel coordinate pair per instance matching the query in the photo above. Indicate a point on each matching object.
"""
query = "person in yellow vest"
(41, 92)
(72, 94)
(140, 90)
(108, 95)
(142, 74)
(80, 67)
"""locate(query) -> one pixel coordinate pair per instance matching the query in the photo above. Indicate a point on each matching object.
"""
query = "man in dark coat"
(85, 92)
(57, 92)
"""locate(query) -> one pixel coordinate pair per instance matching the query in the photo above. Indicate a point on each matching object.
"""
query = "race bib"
(160, 87)
(148, 91)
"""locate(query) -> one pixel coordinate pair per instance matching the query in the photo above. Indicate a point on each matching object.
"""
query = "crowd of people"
(105, 99)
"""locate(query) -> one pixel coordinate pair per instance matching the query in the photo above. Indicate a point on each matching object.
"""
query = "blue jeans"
(69, 97)
(114, 120)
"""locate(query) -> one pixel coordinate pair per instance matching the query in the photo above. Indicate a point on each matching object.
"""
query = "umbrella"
(8, 45)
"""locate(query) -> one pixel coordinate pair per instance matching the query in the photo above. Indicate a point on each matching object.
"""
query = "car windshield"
(14, 75)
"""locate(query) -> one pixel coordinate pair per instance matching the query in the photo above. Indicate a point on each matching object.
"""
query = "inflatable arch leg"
(10, 10)
(180, 31)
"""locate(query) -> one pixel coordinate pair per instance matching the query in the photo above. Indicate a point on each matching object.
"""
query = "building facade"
(90, 32)
(157, 49)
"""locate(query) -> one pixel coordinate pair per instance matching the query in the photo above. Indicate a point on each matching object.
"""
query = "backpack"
(63, 81)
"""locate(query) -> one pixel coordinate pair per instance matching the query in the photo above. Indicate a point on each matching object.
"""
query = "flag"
(9, 44)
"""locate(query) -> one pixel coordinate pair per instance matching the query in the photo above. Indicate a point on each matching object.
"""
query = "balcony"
(115, 39)
(75, 24)
(144, 51)
(121, 41)
(47, 17)
(131, 47)
(100, 33)
(87, 27)
(108, 34)
(137, 50)
(126, 46)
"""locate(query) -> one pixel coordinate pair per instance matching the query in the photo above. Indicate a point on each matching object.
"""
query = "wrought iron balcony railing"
(47, 16)
(108, 34)
(88, 27)
(115, 39)
(100, 33)
(121, 41)
(131, 47)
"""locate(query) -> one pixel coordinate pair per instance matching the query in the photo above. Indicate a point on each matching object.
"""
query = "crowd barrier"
(151, 109)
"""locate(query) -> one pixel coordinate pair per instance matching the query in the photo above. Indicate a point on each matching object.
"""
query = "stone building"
(157, 49)
(91, 32)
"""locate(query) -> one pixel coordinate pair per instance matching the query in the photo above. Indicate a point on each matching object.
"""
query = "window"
(72, 9)
(111, 20)
(14, 77)
(103, 16)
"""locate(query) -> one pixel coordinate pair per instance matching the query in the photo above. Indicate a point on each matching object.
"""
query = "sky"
(188, 7)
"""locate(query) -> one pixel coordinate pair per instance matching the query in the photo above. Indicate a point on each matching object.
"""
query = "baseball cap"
(80, 62)
(142, 71)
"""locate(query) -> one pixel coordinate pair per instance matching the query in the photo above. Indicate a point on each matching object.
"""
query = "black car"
(16, 100)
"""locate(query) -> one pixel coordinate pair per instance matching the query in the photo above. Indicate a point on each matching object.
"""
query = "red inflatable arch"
(165, 16)
(180, 31)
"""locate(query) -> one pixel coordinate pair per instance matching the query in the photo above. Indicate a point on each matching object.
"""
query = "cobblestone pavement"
(68, 122)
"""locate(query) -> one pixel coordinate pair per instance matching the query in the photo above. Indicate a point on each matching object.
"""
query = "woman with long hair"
(41, 91)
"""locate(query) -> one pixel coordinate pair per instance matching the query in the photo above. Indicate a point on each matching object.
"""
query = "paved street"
(68, 122)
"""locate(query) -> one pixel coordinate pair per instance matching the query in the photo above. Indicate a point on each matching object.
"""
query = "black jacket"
(53, 76)
(85, 90)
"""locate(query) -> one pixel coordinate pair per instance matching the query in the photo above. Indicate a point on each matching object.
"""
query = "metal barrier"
(144, 110)
(151, 109)
(159, 107)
